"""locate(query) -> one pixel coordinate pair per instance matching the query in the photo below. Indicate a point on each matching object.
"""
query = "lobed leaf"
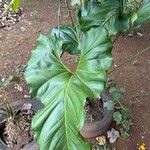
(64, 93)
(116, 94)
(117, 117)
(109, 104)
(125, 135)
(126, 113)
(70, 38)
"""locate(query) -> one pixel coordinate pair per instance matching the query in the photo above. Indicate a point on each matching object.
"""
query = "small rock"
(1, 37)
(139, 34)
(135, 62)
(8, 28)
(142, 137)
(30, 23)
(3, 79)
(130, 35)
(26, 106)
(112, 135)
(23, 29)
(5, 5)
(18, 87)
(27, 96)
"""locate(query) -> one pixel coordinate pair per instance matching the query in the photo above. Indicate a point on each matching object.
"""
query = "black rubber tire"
(96, 128)
(36, 105)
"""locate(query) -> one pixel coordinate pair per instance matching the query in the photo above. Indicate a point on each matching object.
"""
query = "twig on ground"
(129, 59)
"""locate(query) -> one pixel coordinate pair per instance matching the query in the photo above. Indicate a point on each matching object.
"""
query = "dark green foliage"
(121, 115)
(116, 16)
(63, 92)
(70, 37)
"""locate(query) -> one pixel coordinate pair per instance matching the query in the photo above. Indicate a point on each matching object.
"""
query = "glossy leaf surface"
(143, 13)
(64, 93)
(70, 38)
(113, 15)
(93, 14)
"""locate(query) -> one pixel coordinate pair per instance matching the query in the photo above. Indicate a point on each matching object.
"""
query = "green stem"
(121, 6)
(122, 2)
(58, 21)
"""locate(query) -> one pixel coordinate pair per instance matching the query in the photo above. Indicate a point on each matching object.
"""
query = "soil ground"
(17, 42)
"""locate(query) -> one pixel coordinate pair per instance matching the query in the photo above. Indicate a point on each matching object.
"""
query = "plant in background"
(102, 147)
(7, 110)
(5, 107)
(122, 115)
(15, 119)
(117, 16)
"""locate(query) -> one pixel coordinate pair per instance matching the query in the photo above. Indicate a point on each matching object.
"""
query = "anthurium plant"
(62, 91)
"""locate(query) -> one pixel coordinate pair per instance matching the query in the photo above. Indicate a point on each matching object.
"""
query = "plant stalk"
(59, 10)
(121, 6)
(69, 12)
(82, 2)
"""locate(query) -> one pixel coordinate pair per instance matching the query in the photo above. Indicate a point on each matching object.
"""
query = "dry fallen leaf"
(101, 140)
(112, 135)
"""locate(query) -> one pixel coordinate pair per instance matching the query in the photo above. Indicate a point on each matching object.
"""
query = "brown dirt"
(135, 77)
(16, 45)
(94, 110)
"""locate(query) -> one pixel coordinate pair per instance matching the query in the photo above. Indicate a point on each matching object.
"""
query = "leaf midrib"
(65, 95)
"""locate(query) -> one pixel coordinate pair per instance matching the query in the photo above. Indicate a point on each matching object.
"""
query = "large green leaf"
(105, 14)
(64, 93)
(143, 13)
(93, 13)
(70, 38)
(113, 15)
